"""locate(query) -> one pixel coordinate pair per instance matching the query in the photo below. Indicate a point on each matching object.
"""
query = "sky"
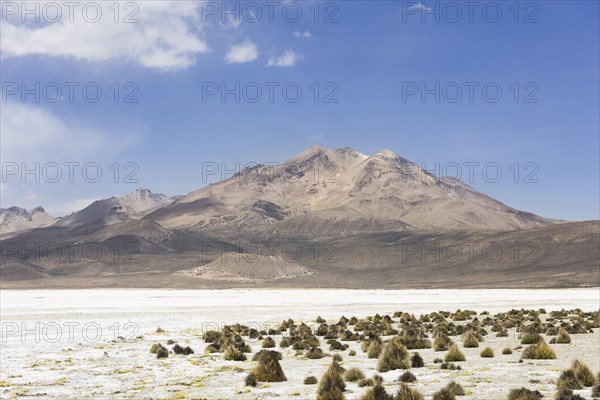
(101, 99)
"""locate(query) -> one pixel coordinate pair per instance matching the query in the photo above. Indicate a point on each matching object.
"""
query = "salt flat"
(95, 343)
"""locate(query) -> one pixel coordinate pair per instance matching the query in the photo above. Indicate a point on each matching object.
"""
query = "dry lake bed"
(95, 344)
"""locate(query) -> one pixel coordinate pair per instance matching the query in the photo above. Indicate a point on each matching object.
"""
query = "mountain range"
(338, 217)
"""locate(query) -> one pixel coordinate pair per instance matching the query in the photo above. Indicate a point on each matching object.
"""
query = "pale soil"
(36, 365)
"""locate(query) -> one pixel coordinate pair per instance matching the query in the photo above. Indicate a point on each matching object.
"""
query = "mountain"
(324, 218)
(16, 219)
(325, 187)
(115, 210)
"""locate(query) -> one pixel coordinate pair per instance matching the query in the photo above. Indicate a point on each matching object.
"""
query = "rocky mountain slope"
(328, 218)
(16, 219)
(337, 187)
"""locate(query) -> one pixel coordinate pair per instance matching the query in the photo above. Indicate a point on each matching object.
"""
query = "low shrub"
(162, 352)
(539, 351)
(470, 340)
(524, 394)
(487, 353)
(374, 350)
(310, 380)
(354, 374)
(268, 368)
(454, 354)
(251, 380)
(332, 384)
(443, 394)
(562, 337)
(394, 355)
(507, 351)
(234, 354)
(314, 353)
(567, 394)
(455, 388)
(268, 343)
(416, 361)
(352, 353)
(407, 377)
(405, 392)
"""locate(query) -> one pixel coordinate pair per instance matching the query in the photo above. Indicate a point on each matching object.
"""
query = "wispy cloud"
(288, 59)
(242, 53)
(305, 34)
(419, 6)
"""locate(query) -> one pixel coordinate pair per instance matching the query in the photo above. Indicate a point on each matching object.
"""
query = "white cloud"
(241, 53)
(288, 59)
(32, 134)
(305, 34)
(165, 38)
(419, 6)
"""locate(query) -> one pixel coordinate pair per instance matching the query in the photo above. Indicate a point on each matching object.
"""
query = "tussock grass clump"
(596, 391)
(377, 392)
(154, 348)
(160, 330)
(487, 353)
(366, 382)
(268, 368)
(171, 341)
(354, 374)
(405, 392)
(234, 354)
(567, 394)
(539, 351)
(470, 340)
(416, 361)
(454, 354)
(177, 349)
(507, 351)
(583, 373)
(407, 377)
(531, 338)
(268, 343)
(394, 355)
(332, 384)
(443, 394)
(442, 343)
(310, 380)
(338, 357)
(455, 388)
(285, 342)
(352, 353)
(450, 366)
(524, 394)
(374, 350)
(251, 380)
(211, 336)
(314, 353)
(267, 354)
(162, 352)
(562, 337)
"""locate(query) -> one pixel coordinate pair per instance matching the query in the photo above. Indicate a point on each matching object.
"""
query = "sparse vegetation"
(524, 394)
(407, 377)
(454, 354)
(332, 384)
(354, 374)
(470, 340)
(487, 353)
(539, 351)
(394, 355)
(251, 380)
(405, 392)
(268, 369)
(562, 337)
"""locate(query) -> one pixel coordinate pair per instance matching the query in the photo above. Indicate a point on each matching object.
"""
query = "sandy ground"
(95, 343)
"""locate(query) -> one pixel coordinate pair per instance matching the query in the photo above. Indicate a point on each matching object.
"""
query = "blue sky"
(370, 57)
